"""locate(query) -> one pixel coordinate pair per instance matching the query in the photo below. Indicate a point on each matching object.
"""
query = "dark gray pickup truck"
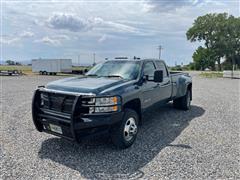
(110, 98)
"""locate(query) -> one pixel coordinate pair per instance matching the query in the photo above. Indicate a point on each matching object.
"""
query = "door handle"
(157, 85)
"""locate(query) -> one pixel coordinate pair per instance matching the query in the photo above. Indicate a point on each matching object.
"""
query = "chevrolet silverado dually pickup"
(110, 98)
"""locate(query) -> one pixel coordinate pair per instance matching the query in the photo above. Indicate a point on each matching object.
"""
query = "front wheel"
(124, 135)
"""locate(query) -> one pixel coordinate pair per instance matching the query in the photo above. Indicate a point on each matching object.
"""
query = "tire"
(184, 102)
(124, 134)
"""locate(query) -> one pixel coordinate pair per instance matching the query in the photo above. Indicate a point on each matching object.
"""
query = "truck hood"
(84, 84)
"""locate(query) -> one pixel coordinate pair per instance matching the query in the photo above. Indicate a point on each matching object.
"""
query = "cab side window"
(161, 66)
(148, 70)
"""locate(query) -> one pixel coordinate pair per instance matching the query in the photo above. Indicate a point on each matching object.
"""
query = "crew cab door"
(165, 87)
(149, 88)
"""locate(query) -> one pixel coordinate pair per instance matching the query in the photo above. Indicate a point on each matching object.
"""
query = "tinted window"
(161, 66)
(149, 69)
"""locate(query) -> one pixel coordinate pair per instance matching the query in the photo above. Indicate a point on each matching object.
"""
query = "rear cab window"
(162, 66)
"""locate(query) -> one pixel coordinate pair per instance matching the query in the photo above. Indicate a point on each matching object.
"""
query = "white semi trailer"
(51, 66)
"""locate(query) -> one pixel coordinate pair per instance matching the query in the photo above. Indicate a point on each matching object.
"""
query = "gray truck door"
(165, 88)
(149, 88)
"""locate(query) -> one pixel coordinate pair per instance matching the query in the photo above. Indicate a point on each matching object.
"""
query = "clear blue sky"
(65, 29)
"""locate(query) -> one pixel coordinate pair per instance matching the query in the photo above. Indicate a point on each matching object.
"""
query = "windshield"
(122, 69)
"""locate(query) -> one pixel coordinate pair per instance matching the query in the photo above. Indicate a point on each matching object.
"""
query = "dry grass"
(212, 74)
(27, 70)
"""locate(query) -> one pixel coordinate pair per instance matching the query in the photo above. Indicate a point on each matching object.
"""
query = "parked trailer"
(51, 66)
(10, 72)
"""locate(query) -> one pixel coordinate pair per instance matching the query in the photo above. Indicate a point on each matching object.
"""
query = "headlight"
(106, 101)
(105, 104)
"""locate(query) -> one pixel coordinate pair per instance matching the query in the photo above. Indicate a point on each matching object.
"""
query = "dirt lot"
(172, 144)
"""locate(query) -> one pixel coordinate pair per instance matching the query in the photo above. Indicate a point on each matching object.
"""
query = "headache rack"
(58, 107)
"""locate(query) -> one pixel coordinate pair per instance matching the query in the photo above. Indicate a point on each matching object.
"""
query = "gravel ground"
(202, 143)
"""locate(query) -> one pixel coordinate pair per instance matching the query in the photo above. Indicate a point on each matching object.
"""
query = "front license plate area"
(55, 128)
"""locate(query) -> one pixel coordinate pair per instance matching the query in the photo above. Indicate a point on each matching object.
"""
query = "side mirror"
(146, 78)
(158, 76)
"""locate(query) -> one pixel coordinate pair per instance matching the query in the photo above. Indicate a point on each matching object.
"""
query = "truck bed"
(178, 83)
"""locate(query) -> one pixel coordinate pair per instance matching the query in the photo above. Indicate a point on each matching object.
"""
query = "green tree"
(10, 62)
(220, 34)
(203, 58)
(232, 40)
(18, 64)
(230, 61)
(191, 66)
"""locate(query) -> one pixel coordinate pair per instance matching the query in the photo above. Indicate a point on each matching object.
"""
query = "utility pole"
(94, 59)
(160, 51)
(79, 60)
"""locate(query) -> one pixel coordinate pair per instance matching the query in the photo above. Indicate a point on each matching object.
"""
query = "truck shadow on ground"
(99, 159)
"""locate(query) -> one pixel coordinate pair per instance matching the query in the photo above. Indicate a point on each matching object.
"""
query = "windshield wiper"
(114, 76)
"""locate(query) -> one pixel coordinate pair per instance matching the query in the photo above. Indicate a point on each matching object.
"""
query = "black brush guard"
(69, 122)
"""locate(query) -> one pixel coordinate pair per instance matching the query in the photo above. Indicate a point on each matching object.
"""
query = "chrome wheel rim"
(130, 129)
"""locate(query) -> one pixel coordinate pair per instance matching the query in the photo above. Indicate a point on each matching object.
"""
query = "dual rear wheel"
(47, 73)
(184, 102)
